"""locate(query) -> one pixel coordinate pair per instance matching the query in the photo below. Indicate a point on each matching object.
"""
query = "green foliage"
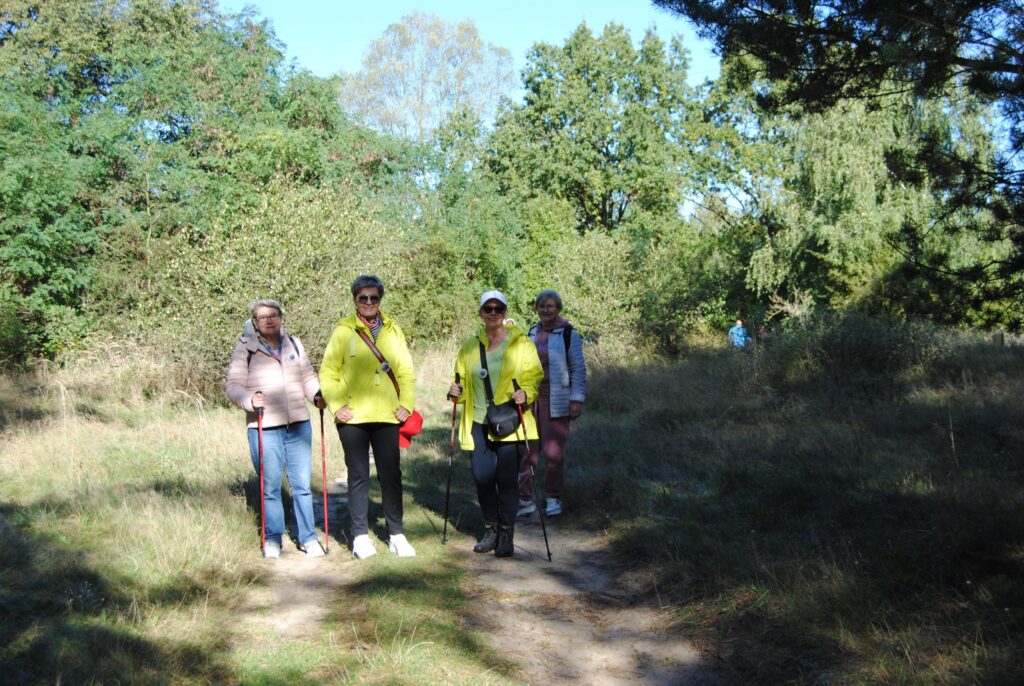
(301, 245)
(820, 55)
(809, 204)
(127, 124)
(602, 126)
(163, 168)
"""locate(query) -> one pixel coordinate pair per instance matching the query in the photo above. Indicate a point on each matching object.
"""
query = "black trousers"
(495, 467)
(356, 440)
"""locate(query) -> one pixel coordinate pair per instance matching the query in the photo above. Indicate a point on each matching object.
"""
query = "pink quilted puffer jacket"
(286, 383)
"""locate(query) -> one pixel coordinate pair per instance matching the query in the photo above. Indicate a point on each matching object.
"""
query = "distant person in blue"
(738, 335)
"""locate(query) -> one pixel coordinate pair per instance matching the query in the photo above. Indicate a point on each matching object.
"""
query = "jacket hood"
(250, 339)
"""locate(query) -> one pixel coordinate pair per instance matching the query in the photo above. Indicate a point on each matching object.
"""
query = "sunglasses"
(366, 299)
(492, 309)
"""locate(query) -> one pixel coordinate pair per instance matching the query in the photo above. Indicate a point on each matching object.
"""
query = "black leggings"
(495, 467)
(356, 440)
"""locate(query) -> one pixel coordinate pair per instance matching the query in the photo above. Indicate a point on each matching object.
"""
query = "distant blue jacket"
(738, 336)
(567, 378)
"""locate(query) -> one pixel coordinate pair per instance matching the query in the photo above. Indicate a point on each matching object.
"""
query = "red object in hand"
(409, 428)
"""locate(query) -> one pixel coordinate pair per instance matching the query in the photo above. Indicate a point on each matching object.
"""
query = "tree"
(127, 124)
(422, 71)
(604, 125)
(818, 54)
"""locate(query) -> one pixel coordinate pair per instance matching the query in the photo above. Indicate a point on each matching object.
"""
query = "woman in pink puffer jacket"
(270, 369)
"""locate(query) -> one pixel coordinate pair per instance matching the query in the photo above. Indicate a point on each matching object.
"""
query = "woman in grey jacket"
(559, 401)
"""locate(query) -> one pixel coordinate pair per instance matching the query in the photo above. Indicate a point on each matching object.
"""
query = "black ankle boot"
(504, 547)
(488, 541)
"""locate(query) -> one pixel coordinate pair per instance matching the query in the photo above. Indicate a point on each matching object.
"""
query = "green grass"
(129, 553)
(799, 524)
(807, 530)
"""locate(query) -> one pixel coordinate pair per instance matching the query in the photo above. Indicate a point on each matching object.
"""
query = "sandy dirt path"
(568, 621)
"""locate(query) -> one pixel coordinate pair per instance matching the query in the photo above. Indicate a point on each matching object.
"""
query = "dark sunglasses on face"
(366, 299)
(492, 309)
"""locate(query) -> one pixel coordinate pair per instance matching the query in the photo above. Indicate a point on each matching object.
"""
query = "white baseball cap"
(493, 295)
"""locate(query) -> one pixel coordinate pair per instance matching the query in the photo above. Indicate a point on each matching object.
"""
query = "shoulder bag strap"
(487, 376)
(383, 363)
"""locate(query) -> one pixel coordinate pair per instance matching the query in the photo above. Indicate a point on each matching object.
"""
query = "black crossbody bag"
(502, 419)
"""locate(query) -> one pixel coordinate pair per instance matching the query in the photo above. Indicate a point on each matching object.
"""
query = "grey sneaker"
(313, 548)
(554, 507)
(526, 508)
(272, 549)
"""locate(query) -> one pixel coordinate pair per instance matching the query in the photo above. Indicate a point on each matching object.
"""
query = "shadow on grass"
(859, 528)
(407, 604)
(57, 620)
(426, 479)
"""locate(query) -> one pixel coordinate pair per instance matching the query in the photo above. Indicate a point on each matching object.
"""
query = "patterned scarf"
(374, 325)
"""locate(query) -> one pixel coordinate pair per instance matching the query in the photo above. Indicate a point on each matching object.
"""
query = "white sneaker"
(526, 508)
(362, 547)
(272, 549)
(400, 546)
(313, 548)
(554, 507)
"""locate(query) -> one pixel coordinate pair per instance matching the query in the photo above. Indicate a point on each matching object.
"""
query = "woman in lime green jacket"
(367, 379)
(494, 460)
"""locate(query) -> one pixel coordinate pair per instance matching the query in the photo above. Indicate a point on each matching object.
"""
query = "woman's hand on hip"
(344, 414)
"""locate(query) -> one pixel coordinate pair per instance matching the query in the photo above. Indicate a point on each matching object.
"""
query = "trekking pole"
(451, 453)
(526, 446)
(323, 466)
(263, 514)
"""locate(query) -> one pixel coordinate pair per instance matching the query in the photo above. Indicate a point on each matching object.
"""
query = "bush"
(853, 350)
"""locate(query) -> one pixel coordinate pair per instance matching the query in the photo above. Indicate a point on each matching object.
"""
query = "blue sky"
(329, 36)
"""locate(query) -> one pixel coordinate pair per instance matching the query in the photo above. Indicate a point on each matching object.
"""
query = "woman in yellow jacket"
(369, 398)
(495, 461)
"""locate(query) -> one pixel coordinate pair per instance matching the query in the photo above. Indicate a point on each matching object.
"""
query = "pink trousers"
(554, 434)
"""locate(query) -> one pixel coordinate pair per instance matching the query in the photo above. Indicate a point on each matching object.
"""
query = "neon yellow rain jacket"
(351, 375)
(520, 363)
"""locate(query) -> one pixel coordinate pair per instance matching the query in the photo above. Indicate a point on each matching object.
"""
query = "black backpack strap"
(567, 337)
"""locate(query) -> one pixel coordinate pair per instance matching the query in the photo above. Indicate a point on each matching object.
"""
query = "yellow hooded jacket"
(351, 375)
(520, 363)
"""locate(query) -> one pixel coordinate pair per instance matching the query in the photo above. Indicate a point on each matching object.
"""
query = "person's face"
(268, 321)
(492, 313)
(368, 302)
(548, 311)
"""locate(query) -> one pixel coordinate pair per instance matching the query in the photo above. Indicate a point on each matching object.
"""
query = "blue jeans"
(285, 449)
